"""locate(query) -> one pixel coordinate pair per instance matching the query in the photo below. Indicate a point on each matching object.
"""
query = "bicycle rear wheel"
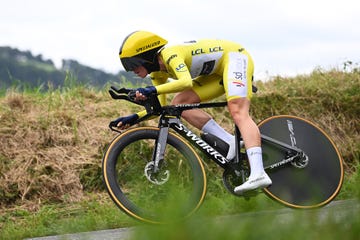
(175, 192)
(318, 182)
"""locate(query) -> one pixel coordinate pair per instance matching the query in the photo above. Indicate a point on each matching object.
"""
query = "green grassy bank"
(51, 147)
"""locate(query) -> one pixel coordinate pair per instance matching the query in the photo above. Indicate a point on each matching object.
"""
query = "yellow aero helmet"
(140, 48)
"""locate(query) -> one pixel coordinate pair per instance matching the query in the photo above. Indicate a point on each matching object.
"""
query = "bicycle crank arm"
(281, 163)
(300, 160)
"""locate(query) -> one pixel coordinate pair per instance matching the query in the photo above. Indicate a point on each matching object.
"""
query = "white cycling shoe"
(260, 181)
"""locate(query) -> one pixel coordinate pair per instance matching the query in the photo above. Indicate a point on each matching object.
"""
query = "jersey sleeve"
(179, 71)
(157, 78)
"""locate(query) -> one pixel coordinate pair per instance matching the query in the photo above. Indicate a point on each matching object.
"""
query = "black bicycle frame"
(173, 122)
(170, 118)
(292, 152)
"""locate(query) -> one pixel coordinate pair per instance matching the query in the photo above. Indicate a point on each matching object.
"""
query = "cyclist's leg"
(238, 74)
(204, 89)
(207, 88)
(195, 117)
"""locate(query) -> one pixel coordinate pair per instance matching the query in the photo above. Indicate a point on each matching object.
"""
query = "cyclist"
(200, 71)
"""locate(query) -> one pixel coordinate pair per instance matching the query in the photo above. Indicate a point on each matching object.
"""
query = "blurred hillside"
(23, 70)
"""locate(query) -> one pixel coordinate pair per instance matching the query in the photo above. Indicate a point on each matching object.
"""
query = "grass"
(51, 146)
(300, 225)
(54, 219)
(215, 220)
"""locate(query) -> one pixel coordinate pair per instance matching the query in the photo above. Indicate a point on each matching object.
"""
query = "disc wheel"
(312, 182)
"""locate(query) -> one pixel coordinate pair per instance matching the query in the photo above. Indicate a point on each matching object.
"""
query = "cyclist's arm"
(157, 78)
(160, 78)
(179, 71)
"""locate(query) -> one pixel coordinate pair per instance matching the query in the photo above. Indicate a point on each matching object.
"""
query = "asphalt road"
(342, 209)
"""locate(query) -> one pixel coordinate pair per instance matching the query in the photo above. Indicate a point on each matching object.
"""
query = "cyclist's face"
(140, 71)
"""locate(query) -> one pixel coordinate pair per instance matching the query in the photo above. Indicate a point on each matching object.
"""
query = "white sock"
(255, 160)
(214, 128)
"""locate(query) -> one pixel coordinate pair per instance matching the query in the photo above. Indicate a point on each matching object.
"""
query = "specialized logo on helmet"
(151, 45)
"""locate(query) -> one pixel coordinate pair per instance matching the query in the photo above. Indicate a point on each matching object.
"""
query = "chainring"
(231, 179)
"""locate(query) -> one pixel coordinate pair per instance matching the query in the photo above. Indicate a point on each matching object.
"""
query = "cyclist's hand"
(124, 122)
(143, 93)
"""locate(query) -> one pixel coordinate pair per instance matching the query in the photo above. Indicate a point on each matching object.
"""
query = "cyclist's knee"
(239, 109)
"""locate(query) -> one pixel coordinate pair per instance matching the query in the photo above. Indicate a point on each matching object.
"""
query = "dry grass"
(46, 143)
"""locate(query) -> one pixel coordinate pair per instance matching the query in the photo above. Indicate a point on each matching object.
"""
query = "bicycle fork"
(159, 149)
(153, 171)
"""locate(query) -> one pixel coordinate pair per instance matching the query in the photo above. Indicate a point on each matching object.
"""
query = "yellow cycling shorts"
(236, 81)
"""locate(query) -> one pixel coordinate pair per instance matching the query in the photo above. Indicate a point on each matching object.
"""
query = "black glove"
(128, 120)
(147, 91)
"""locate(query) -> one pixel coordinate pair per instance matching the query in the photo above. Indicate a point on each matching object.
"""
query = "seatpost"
(237, 144)
(238, 158)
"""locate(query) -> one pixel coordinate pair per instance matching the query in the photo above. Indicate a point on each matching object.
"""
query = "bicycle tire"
(319, 181)
(135, 194)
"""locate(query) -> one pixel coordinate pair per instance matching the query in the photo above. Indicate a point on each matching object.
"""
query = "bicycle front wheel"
(174, 192)
(309, 184)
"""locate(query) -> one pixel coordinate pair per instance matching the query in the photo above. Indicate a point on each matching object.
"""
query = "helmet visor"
(132, 62)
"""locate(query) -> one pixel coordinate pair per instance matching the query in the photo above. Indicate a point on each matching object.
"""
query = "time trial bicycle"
(148, 169)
